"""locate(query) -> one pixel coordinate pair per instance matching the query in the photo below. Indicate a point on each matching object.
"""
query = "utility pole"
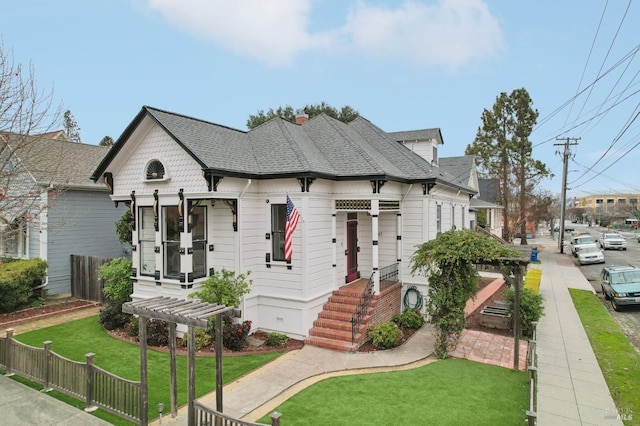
(563, 202)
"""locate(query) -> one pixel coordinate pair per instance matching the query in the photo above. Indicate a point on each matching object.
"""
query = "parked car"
(580, 240)
(612, 240)
(590, 254)
(621, 285)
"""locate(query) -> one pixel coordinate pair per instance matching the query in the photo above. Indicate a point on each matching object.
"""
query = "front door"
(352, 251)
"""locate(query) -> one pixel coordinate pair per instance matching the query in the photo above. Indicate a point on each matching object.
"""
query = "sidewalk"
(571, 387)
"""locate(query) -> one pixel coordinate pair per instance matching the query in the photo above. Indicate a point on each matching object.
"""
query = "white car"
(578, 241)
(612, 240)
(590, 254)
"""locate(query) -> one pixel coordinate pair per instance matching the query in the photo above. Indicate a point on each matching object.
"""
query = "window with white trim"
(438, 219)
(13, 239)
(147, 241)
(171, 241)
(278, 220)
(198, 219)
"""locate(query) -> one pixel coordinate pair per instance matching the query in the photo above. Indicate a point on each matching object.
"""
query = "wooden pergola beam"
(192, 313)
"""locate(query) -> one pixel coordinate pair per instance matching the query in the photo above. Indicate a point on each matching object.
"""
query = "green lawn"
(75, 339)
(619, 361)
(449, 392)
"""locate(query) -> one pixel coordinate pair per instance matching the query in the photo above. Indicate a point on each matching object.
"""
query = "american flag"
(292, 220)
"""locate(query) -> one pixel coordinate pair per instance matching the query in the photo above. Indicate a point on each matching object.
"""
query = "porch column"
(375, 263)
(399, 240)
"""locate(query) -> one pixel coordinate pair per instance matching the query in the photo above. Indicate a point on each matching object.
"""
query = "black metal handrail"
(361, 308)
(388, 275)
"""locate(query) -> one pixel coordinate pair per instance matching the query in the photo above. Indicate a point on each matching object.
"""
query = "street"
(629, 317)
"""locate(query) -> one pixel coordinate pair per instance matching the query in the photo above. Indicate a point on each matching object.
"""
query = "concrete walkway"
(571, 387)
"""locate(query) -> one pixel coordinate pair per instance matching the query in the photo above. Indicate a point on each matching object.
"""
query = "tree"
(504, 151)
(345, 114)
(25, 112)
(71, 127)
(449, 262)
(224, 288)
(106, 141)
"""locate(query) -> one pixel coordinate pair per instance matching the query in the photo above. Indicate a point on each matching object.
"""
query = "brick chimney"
(301, 116)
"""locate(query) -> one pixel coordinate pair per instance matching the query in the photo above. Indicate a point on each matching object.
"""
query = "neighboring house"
(51, 208)
(487, 201)
(206, 196)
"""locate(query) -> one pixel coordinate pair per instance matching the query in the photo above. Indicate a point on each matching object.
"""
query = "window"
(198, 220)
(155, 170)
(453, 217)
(435, 155)
(464, 222)
(13, 239)
(278, 219)
(438, 219)
(147, 241)
(171, 241)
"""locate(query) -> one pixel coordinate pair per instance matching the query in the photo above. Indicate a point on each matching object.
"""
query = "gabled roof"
(57, 162)
(488, 190)
(459, 167)
(417, 135)
(321, 147)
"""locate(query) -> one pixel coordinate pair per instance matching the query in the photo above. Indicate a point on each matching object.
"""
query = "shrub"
(276, 339)
(17, 282)
(203, 339)
(132, 327)
(224, 288)
(117, 290)
(530, 308)
(157, 333)
(112, 317)
(234, 336)
(385, 335)
(409, 319)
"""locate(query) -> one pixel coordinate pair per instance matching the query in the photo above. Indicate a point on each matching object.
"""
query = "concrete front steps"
(332, 329)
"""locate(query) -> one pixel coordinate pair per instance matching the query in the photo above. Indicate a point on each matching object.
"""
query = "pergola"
(192, 313)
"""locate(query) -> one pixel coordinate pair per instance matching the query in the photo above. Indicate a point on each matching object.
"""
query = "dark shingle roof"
(58, 162)
(459, 167)
(488, 190)
(321, 147)
(417, 135)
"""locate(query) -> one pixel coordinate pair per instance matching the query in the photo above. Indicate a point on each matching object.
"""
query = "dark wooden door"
(352, 250)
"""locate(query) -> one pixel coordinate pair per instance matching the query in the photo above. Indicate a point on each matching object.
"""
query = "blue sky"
(404, 65)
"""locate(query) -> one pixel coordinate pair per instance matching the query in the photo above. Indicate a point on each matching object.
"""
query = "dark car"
(621, 285)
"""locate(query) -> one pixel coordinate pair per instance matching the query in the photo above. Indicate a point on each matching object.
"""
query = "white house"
(205, 196)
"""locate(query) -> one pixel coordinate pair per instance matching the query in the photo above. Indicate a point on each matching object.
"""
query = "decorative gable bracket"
(108, 181)
(377, 185)
(212, 180)
(427, 187)
(305, 183)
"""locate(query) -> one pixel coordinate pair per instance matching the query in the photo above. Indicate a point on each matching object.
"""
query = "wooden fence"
(82, 380)
(85, 283)
(206, 416)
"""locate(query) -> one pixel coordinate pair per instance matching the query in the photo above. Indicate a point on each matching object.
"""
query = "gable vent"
(155, 170)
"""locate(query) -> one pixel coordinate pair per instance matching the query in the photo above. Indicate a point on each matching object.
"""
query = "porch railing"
(388, 276)
(361, 308)
(206, 416)
(532, 362)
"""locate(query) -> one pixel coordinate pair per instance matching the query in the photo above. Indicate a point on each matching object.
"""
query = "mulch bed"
(50, 308)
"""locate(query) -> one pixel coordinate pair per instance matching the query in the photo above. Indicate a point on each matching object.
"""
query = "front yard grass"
(75, 339)
(619, 361)
(448, 392)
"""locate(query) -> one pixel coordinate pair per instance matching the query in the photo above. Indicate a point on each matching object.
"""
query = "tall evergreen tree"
(71, 127)
(504, 151)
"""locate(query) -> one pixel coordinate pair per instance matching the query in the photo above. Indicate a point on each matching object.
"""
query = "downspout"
(240, 232)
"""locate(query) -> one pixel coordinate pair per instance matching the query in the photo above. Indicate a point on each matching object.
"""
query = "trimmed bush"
(17, 282)
(117, 290)
(530, 308)
(385, 335)
(234, 336)
(203, 339)
(274, 339)
(409, 319)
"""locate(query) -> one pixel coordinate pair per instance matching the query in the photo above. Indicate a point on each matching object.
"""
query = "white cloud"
(447, 34)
